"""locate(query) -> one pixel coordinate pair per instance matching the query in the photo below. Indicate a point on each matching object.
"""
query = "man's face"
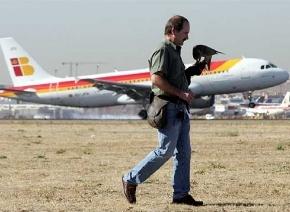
(182, 35)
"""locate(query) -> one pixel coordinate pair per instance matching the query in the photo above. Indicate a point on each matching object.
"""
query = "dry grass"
(77, 166)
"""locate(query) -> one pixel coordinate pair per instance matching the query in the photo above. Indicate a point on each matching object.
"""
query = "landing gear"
(145, 103)
(143, 114)
(248, 95)
(252, 104)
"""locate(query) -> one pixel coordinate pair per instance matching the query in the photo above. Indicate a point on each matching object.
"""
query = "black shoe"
(187, 200)
(129, 191)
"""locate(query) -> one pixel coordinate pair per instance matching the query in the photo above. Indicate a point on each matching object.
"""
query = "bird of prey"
(204, 51)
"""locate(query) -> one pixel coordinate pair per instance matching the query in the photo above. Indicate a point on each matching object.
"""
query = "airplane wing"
(17, 91)
(134, 91)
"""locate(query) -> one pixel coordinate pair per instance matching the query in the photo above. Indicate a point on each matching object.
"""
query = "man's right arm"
(164, 85)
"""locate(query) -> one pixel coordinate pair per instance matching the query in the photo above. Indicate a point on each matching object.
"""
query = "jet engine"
(203, 102)
(200, 102)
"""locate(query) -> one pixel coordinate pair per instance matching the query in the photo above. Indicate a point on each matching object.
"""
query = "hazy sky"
(122, 34)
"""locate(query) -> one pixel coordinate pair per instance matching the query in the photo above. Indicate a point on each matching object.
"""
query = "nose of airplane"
(286, 74)
(283, 75)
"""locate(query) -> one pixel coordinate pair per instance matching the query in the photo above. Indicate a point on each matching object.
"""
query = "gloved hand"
(195, 70)
(201, 65)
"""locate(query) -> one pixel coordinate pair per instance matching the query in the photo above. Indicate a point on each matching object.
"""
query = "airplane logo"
(21, 66)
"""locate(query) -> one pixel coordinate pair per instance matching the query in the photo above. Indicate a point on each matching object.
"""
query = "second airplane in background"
(31, 83)
(270, 108)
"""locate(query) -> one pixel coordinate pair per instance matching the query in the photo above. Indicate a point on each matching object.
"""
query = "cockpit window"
(269, 65)
(272, 65)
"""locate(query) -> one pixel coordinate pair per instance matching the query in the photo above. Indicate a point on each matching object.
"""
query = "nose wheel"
(252, 105)
(248, 95)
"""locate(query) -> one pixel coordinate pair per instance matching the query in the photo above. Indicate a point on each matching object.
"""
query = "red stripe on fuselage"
(216, 64)
(126, 77)
(73, 83)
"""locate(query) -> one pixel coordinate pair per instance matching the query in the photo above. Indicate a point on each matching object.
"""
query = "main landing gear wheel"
(143, 114)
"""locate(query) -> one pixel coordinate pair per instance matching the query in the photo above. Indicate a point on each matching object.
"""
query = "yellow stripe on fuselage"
(227, 65)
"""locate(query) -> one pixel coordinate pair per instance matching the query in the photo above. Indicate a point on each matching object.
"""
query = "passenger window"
(268, 66)
(262, 67)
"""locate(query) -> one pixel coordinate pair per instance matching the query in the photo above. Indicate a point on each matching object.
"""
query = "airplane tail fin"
(23, 69)
(286, 100)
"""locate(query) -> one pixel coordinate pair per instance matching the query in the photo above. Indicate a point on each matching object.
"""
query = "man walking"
(169, 82)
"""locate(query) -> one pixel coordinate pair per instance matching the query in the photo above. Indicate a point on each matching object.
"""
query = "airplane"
(270, 108)
(31, 83)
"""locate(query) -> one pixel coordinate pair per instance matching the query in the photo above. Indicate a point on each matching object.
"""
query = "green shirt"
(166, 60)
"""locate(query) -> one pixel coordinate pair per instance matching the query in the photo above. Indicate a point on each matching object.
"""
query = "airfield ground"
(77, 166)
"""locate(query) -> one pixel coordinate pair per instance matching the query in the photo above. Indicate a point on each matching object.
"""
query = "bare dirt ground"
(77, 166)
